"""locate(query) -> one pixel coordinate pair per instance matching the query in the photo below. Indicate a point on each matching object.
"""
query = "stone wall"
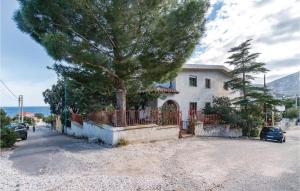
(216, 130)
(111, 135)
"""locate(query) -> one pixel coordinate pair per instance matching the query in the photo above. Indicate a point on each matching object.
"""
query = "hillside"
(286, 86)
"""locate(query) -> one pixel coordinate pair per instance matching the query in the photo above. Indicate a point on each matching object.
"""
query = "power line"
(9, 89)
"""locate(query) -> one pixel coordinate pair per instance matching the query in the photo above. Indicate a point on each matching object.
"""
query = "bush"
(49, 119)
(254, 132)
(122, 142)
(39, 115)
(8, 137)
(4, 119)
(291, 113)
(222, 107)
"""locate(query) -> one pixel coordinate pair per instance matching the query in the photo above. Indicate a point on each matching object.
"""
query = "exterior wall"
(111, 135)
(198, 94)
(217, 131)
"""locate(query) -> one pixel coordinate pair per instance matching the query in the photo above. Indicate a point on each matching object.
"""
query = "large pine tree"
(245, 67)
(144, 40)
(243, 74)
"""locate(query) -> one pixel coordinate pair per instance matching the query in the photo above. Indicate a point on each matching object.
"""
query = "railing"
(207, 119)
(136, 117)
(77, 118)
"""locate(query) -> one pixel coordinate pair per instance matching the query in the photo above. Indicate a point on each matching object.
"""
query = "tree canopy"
(245, 66)
(4, 119)
(130, 40)
(252, 97)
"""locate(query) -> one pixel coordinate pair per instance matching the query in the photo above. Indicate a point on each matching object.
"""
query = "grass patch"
(122, 142)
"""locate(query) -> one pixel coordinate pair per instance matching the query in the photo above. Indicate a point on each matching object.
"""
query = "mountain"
(287, 86)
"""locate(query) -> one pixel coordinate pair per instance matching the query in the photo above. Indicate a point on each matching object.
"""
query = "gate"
(187, 128)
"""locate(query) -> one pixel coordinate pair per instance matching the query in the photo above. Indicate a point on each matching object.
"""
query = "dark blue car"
(19, 129)
(272, 133)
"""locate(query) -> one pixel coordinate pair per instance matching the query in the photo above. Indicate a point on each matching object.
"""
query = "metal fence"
(207, 119)
(148, 116)
(133, 117)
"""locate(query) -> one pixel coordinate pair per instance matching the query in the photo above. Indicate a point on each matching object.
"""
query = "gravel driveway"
(50, 161)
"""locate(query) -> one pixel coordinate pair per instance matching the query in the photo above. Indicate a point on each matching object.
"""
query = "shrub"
(122, 142)
(8, 137)
(4, 119)
(291, 113)
(222, 107)
(39, 115)
(254, 132)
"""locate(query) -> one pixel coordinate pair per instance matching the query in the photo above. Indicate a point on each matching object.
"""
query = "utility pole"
(65, 106)
(265, 106)
(20, 116)
(19, 105)
(21, 101)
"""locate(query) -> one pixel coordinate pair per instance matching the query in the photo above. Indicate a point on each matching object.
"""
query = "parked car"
(273, 133)
(26, 125)
(20, 130)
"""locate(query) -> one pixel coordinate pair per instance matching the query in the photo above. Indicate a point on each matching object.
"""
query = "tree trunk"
(121, 103)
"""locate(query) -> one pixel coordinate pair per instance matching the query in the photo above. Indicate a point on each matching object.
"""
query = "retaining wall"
(216, 130)
(111, 135)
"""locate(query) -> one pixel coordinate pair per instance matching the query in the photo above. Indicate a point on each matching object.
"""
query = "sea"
(13, 111)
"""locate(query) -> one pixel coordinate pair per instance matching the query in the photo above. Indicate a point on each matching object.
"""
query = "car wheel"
(24, 138)
(281, 140)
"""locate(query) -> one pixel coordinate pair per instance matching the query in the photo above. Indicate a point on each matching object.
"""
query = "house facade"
(194, 88)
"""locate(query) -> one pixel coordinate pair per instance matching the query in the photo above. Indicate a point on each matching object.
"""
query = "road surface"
(51, 161)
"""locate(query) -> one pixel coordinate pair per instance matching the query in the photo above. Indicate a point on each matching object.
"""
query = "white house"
(194, 87)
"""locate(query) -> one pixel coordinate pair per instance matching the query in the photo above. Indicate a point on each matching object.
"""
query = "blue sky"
(272, 24)
(23, 62)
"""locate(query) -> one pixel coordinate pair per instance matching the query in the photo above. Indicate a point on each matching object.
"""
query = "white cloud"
(272, 24)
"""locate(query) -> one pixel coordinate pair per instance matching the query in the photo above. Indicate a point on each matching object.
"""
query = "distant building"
(27, 114)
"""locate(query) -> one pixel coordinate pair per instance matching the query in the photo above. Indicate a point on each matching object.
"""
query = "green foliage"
(245, 66)
(39, 115)
(253, 99)
(291, 102)
(81, 98)
(122, 142)
(8, 137)
(120, 41)
(254, 132)
(28, 120)
(291, 113)
(222, 107)
(4, 119)
(49, 119)
(136, 100)
(68, 118)
(208, 109)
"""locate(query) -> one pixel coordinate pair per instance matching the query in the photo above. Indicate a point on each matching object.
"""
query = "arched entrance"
(171, 106)
(170, 113)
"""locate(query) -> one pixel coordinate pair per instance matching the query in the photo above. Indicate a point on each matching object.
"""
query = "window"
(207, 83)
(193, 106)
(193, 81)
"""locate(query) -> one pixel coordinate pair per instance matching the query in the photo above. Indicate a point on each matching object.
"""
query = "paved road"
(51, 161)
(33, 156)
